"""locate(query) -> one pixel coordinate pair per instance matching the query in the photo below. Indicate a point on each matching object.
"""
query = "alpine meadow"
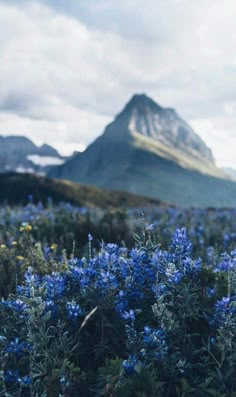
(117, 198)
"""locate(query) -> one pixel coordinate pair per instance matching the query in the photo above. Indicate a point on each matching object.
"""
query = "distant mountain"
(15, 189)
(20, 154)
(150, 150)
(47, 150)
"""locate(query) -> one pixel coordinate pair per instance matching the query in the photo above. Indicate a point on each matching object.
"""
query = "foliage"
(58, 231)
(149, 320)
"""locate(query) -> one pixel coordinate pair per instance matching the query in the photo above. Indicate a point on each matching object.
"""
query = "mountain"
(150, 150)
(47, 150)
(230, 171)
(41, 188)
(18, 153)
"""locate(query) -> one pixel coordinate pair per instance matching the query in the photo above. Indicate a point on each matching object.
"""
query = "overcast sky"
(68, 66)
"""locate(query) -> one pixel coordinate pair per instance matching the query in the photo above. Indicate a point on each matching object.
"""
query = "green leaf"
(138, 367)
(46, 316)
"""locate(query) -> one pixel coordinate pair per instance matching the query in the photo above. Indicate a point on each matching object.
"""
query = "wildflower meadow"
(138, 302)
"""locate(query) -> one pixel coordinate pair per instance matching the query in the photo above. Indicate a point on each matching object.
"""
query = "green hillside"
(15, 188)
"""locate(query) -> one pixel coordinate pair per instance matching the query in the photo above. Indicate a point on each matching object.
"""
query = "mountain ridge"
(16, 153)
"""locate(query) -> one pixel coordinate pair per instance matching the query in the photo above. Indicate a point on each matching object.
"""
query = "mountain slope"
(150, 150)
(230, 171)
(16, 187)
(18, 153)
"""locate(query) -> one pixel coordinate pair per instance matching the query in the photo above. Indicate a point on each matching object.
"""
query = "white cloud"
(67, 67)
(219, 133)
(67, 134)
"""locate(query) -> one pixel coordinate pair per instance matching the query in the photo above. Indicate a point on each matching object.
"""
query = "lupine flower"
(181, 245)
(50, 306)
(130, 315)
(18, 305)
(176, 277)
(210, 251)
(159, 289)
(46, 251)
(227, 264)
(212, 340)
(30, 198)
(26, 380)
(210, 292)
(155, 342)
(150, 227)
(73, 310)
(191, 266)
(129, 365)
(152, 336)
(222, 309)
(112, 248)
(23, 290)
(54, 285)
(30, 277)
(11, 376)
(90, 237)
(18, 348)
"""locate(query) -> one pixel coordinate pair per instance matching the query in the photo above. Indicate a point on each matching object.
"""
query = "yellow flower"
(20, 258)
(3, 246)
(53, 247)
(25, 227)
(14, 243)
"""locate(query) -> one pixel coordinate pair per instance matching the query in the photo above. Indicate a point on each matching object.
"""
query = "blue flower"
(90, 237)
(30, 198)
(212, 340)
(150, 227)
(50, 306)
(54, 285)
(112, 248)
(129, 365)
(18, 305)
(159, 289)
(26, 380)
(155, 342)
(181, 245)
(147, 330)
(222, 309)
(73, 310)
(31, 278)
(176, 277)
(18, 348)
(130, 315)
(11, 376)
(210, 292)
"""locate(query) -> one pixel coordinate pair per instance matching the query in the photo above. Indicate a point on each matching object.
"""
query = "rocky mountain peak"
(139, 103)
(143, 116)
(142, 102)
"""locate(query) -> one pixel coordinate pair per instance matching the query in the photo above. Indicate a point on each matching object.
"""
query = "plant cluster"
(147, 321)
(53, 232)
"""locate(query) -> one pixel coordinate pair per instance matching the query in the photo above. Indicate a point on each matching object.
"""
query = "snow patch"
(22, 169)
(44, 161)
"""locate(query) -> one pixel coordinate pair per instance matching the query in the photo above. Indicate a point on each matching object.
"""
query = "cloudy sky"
(67, 67)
